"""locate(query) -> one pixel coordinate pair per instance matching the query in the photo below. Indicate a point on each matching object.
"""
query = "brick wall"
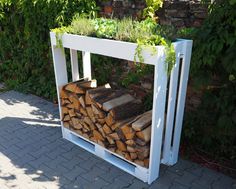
(180, 13)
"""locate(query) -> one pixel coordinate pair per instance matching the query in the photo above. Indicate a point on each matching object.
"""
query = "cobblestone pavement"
(34, 155)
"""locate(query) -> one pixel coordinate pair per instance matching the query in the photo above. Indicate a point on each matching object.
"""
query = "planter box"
(165, 130)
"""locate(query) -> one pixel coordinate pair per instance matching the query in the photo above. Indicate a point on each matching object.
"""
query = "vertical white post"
(87, 65)
(187, 51)
(171, 107)
(59, 61)
(74, 64)
(159, 98)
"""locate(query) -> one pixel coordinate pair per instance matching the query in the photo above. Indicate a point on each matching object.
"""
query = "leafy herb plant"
(147, 34)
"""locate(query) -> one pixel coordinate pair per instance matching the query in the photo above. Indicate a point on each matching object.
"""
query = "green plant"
(152, 7)
(125, 30)
(144, 33)
(25, 53)
(82, 26)
(105, 28)
(212, 126)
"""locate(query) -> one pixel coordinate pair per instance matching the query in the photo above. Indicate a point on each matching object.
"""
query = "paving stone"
(223, 182)
(112, 174)
(176, 185)
(196, 170)
(137, 184)
(97, 183)
(207, 178)
(186, 179)
(73, 174)
(117, 184)
(39, 161)
(165, 181)
(93, 174)
(180, 167)
(197, 186)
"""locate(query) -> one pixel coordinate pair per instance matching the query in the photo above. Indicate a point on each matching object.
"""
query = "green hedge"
(25, 54)
(212, 126)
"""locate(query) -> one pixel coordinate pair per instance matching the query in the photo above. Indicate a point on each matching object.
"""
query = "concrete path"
(34, 155)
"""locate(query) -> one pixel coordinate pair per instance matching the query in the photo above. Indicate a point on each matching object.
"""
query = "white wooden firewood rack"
(168, 98)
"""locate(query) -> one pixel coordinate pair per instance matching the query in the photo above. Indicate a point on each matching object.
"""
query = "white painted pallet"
(166, 134)
(109, 156)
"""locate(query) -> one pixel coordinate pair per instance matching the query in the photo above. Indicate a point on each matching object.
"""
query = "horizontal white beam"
(120, 49)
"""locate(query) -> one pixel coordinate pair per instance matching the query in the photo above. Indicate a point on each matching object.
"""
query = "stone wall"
(179, 13)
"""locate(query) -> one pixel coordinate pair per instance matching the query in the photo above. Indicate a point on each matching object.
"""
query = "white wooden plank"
(181, 98)
(60, 71)
(159, 98)
(112, 48)
(171, 107)
(74, 65)
(87, 65)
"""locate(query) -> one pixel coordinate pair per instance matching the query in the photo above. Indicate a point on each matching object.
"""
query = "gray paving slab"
(34, 155)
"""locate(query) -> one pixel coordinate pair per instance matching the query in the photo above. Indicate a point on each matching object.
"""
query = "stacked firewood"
(108, 117)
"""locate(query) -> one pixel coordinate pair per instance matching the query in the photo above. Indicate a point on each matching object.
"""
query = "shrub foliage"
(212, 126)
(25, 55)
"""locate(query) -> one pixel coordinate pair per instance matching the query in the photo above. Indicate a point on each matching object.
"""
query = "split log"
(128, 132)
(64, 101)
(127, 156)
(70, 106)
(140, 142)
(90, 123)
(107, 129)
(110, 140)
(98, 112)
(80, 87)
(102, 132)
(90, 113)
(83, 111)
(72, 113)
(66, 118)
(109, 120)
(97, 135)
(107, 96)
(145, 134)
(144, 121)
(114, 136)
(81, 100)
(74, 100)
(133, 155)
(76, 123)
(98, 125)
(117, 102)
(101, 121)
(64, 111)
(131, 149)
(63, 93)
(130, 142)
(121, 146)
(127, 110)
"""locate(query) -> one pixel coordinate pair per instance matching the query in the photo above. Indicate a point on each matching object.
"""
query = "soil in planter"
(112, 118)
